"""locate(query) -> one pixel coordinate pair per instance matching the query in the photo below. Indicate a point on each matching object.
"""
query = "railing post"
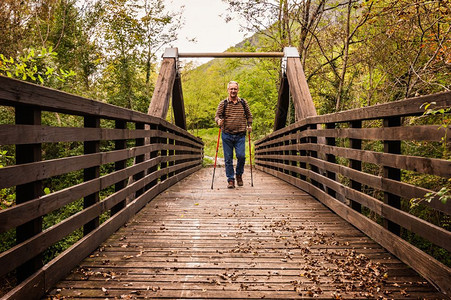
(139, 159)
(270, 152)
(313, 140)
(303, 153)
(183, 152)
(356, 164)
(285, 153)
(330, 141)
(153, 154)
(171, 154)
(25, 192)
(177, 152)
(294, 153)
(393, 147)
(91, 173)
(163, 153)
(119, 165)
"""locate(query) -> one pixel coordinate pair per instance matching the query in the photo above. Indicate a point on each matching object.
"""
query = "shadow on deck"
(267, 241)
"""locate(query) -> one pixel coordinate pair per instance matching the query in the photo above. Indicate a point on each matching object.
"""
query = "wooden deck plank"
(269, 241)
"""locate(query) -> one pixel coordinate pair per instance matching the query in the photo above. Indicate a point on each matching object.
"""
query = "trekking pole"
(216, 158)
(250, 158)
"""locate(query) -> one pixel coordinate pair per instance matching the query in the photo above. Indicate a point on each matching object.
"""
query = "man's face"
(233, 90)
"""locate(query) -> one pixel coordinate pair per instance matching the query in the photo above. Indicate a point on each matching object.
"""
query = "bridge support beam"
(168, 85)
(300, 93)
(282, 103)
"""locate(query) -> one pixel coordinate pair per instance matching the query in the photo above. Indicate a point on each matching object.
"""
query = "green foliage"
(209, 137)
(4, 158)
(258, 85)
(444, 113)
(443, 195)
(37, 66)
(56, 217)
(7, 196)
(441, 189)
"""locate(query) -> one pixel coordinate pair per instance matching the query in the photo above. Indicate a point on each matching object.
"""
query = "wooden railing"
(331, 157)
(115, 175)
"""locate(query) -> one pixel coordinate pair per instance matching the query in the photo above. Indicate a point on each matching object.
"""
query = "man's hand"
(220, 122)
(249, 128)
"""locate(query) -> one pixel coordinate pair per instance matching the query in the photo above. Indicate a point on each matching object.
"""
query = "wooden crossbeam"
(231, 54)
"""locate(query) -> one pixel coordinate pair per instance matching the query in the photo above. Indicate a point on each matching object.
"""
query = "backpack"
(225, 106)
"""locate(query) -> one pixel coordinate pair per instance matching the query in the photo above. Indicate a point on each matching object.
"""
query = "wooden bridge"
(316, 223)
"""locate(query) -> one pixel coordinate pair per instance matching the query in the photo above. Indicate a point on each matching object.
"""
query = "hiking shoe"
(231, 184)
(239, 180)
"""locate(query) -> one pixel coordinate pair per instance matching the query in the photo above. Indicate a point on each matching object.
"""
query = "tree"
(160, 28)
(14, 17)
(354, 49)
(133, 32)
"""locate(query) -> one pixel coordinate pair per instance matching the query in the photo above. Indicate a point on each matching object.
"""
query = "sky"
(204, 24)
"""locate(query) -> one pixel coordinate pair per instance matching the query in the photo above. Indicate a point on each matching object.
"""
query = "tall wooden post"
(163, 153)
(356, 165)
(392, 173)
(119, 165)
(300, 93)
(282, 103)
(293, 83)
(91, 173)
(139, 159)
(331, 158)
(178, 104)
(28, 153)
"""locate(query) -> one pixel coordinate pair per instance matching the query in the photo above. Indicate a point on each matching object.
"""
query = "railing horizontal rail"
(400, 108)
(31, 134)
(426, 165)
(412, 256)
(48, 203)
(21, 174)
(95, 176)
(15, 92)
(48, 275)
(441, 237)
(21, 253)
(414, 133)
(329, 157)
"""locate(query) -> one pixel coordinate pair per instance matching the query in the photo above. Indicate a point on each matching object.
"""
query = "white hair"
(232, 82)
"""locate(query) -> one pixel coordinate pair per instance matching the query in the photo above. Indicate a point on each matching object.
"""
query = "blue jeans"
(229, 142)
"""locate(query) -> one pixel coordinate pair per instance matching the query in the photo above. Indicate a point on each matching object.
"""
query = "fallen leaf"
(105, 290)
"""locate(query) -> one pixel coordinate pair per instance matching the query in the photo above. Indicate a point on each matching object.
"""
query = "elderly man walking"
(235, 118)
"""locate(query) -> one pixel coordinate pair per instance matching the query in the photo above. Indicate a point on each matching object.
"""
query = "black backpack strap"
(224, 108)
(243, 102)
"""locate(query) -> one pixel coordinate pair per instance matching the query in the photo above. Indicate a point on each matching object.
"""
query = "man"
(234, 117)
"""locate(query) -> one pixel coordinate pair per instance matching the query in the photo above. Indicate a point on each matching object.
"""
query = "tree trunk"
(345, 59)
